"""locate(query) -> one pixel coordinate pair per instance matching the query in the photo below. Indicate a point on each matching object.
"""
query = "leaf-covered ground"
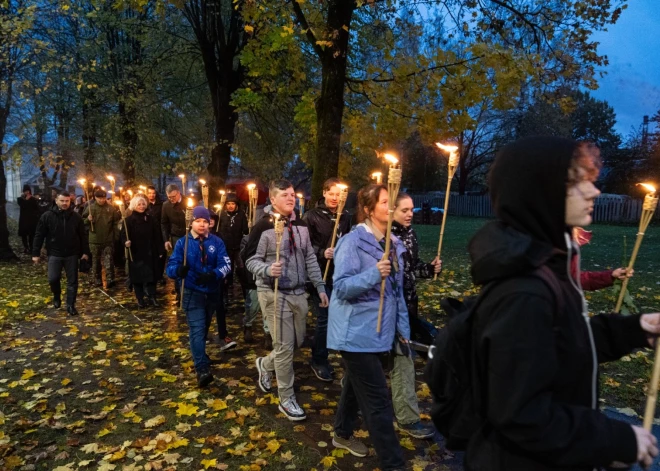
(114, 389)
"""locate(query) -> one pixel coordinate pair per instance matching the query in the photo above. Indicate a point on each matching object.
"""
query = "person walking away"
(102, 237)
(206, 264)
(352, 327)
(63, 231)
(173, 223)
(535, 348)
(297, 263)
(321, 223)
(28, 218)
(404, 395)
(146, 244)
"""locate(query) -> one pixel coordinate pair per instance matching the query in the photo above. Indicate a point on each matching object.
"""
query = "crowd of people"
(535, 349)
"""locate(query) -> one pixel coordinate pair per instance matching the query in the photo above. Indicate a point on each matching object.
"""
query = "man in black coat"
(173, 222)
(155, 210)
(28, 218)
(321, 222)
(64, 232)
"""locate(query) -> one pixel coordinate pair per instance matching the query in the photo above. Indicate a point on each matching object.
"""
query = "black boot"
(153, 301)
(204, 378)
(57, 302)
(71, 310)
(140, 303)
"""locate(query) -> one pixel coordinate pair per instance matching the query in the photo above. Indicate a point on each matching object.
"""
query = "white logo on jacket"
(211, 248)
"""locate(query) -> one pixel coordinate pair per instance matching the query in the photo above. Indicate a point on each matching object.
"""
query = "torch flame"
(391, 158)
(103, 188)
(119, 202)
(376, 174)
(217, 206)
(203, 182)
(82, 181)
(110, 177)
(648, 186)
(276, 216)
(190, 202)
(299, 195)
(130, 192)
(182, 176)
(222, 192)
(251, 186)
(445, 147)
(341, 186)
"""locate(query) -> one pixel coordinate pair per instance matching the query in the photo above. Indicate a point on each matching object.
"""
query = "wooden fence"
(607, 208)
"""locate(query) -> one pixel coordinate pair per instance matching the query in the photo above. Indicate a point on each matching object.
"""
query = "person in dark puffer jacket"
(535, 355)
(66, 242)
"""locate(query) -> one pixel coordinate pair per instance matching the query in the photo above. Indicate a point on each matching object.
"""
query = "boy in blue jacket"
(206, 264)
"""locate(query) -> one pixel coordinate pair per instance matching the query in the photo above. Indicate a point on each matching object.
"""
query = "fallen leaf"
(208, 463)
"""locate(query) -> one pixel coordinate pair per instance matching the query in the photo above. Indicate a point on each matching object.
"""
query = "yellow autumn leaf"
(103, 433)
(27, 374)
(273, 446)
(208, 463)
(155, 421)
(100, 346)
(186, 409)
(216, 404)
(288, 456)
(407, 443)
(65, 381)
(207, 451)
(328, 461)
(338, 452)
(12, 304)
(249, 29)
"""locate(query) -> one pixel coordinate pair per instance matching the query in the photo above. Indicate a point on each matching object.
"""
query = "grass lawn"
(114, 389)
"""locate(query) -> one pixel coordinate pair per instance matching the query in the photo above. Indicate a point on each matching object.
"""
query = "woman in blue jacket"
(352, 322)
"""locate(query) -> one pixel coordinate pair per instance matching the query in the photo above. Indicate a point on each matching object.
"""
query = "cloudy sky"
(632, 83)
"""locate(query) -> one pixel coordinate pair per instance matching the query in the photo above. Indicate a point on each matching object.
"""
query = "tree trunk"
(330, 105)
(218, 168)
(88, 137)
(6, 253)
(129, 144)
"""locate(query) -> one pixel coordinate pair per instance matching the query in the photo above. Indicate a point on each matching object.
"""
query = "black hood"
(528, 187)
(528, 190)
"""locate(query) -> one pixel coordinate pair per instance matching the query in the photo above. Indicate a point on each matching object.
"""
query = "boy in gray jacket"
(297, 264)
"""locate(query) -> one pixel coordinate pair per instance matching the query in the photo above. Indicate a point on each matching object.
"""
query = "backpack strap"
(547, 275)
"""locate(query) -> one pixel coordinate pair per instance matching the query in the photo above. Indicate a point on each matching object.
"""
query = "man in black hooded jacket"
(321, 222)
(536, 355)
(64, 232)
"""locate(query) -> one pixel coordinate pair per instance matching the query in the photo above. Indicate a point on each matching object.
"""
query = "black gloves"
(206, 279)
(182, 271)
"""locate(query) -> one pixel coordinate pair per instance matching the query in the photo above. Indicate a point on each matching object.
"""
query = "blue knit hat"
(200, 212)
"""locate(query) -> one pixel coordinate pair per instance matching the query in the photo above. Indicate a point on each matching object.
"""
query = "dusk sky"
(632, 83)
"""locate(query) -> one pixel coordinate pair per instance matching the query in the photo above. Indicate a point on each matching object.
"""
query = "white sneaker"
(292, 410)
(264, 380)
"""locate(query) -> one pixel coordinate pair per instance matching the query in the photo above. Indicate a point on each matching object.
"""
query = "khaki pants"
(291, 325)
(404, 396)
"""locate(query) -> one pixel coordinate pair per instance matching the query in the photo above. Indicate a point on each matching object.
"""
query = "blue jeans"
(320, 345)
(199, 309)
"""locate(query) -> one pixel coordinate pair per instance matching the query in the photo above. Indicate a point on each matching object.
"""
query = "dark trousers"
(237, 271)
(28, 241)
(70, 265)
(365, 388)
(142, 289)
(320, 345)
(199, 309)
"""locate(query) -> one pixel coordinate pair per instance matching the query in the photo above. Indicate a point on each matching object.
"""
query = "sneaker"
(265, 381)
(353, 446)
(204, 378)
(417, 430)
(291, 409)
(321, 372)
(226, 344)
